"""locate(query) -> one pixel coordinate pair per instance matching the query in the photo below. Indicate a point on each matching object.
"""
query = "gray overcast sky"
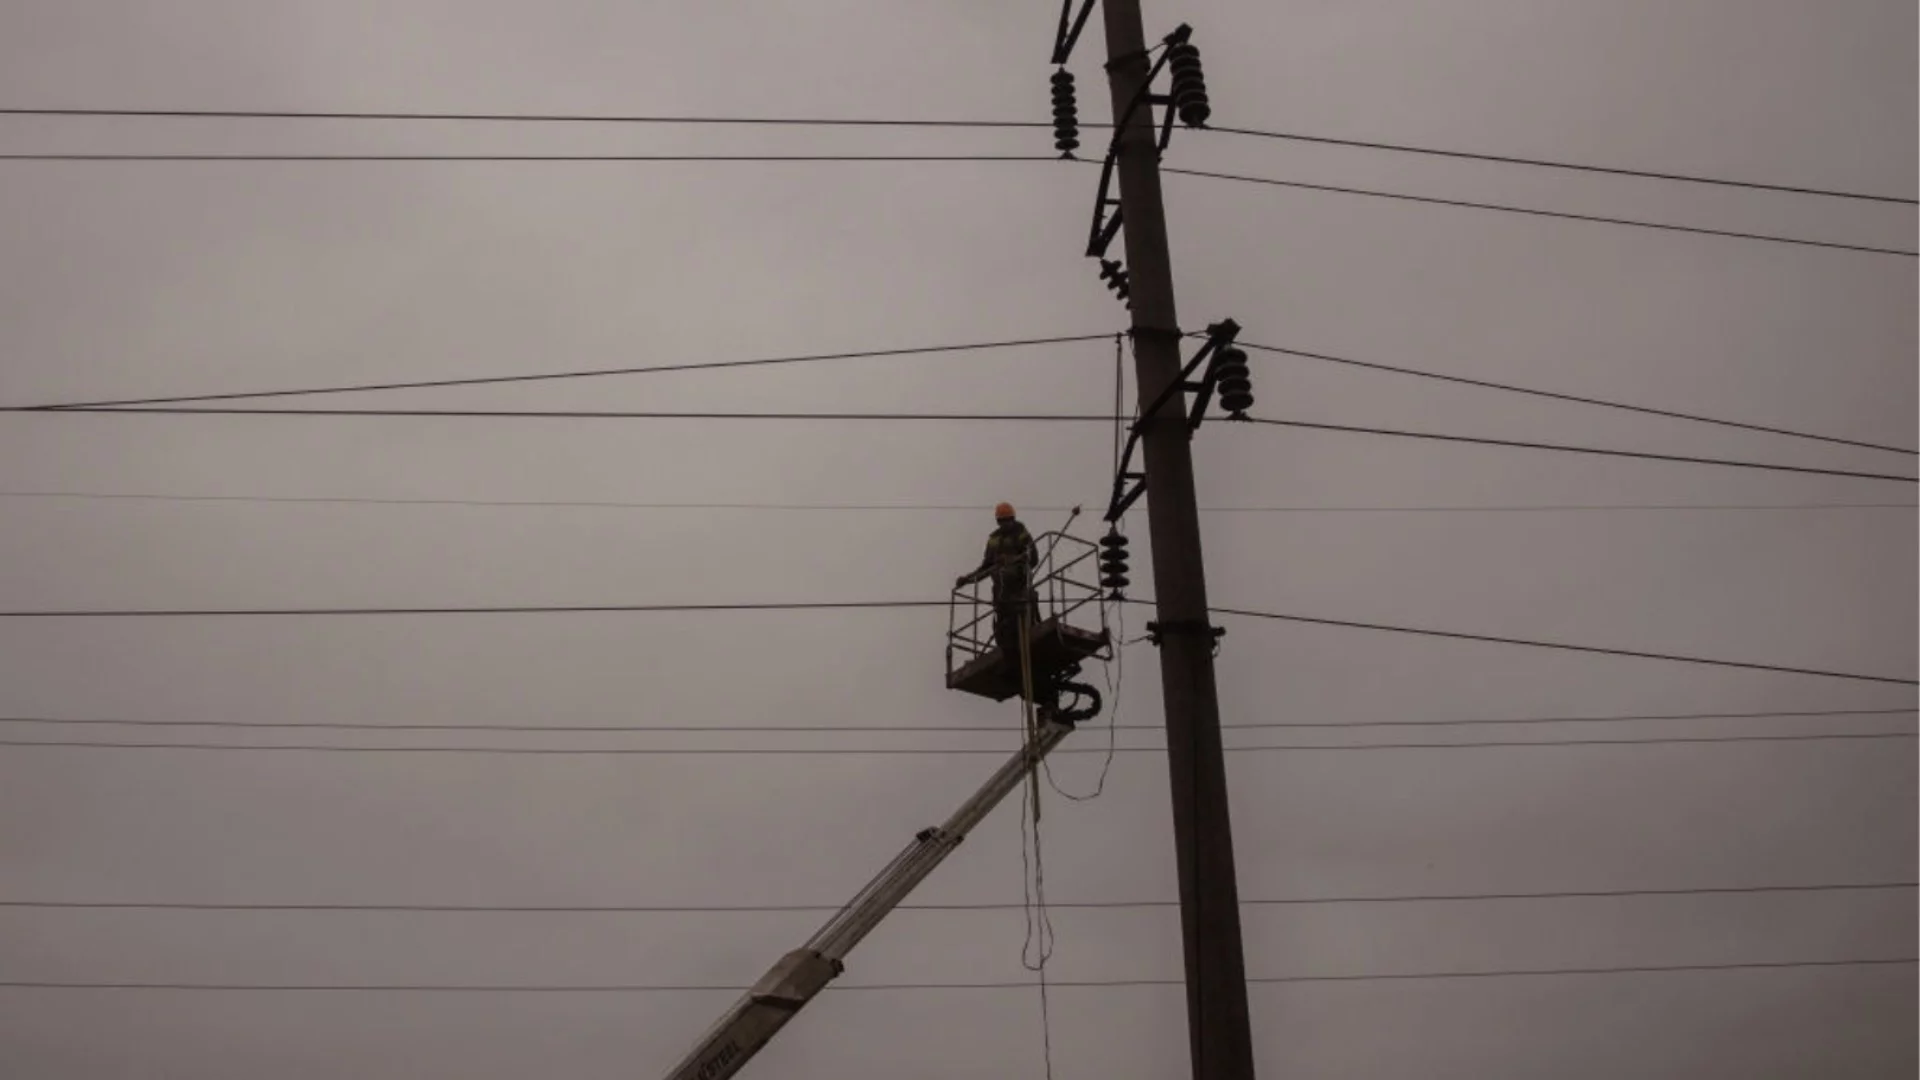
(124, 279)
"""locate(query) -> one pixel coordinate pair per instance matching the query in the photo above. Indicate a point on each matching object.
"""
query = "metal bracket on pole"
(1145, 94)
(1135, 484)
(1128, 484)
(1104, 227)
(1064, 38)
(1219, 336)
(1165, 101)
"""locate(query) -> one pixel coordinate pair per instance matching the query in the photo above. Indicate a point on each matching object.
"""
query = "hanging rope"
(1046, 1026)
(1026, 686)
(1037, 949)
(1114, 670)
(1030, 811)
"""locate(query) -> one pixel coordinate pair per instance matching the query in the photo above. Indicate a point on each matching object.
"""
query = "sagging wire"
(1113, 670)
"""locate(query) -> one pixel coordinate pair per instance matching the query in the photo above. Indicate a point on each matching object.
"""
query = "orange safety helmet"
(1003, 512)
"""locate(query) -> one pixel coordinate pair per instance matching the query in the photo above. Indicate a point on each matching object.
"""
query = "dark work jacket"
(1009, 557)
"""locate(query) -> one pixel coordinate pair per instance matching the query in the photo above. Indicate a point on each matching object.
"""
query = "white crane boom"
(801, 974)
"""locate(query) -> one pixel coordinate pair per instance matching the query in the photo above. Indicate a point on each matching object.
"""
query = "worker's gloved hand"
(962, 581)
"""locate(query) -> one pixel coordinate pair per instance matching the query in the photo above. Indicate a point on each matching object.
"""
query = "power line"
(638, 988)
(571, 609)
(590, 373)
(1647, 969)
(615, 504)
(1614, 719)
(513, 158)
(331, 725)
(553, 609)
(917, 751)
(766, 121)
(572, 414)
(567, 414)
(1565, 215)
(528, 609)
(1601, 402)
(1103, 905)
(844, 158)
(609, 504)
(563, 118)
(1562, 646)
(1571, 449)
(1508, 159)
(1544, 508)
(920, 350)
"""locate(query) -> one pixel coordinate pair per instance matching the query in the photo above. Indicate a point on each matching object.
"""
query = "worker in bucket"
(1009, 560)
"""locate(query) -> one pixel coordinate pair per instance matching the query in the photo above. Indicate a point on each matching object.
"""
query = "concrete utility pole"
(1218, 1032)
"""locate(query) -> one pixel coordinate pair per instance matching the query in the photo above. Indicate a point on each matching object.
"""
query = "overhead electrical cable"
(1567, 448)
(930, 350)
(908, 417)
(803, 729)
(844, 158)
(502, 158)
(1544, 508)
(557, 414)
(921, 751)
(1545, 163)
(618, 504)
(522, 117)
(1534, 212)
(512, 609)
(1562, 646)
(125, 404)
(1021, 985)
(526, 158)
(589, 373)
(1575, 398)
(575, 609)
(1107, 905)
(874, 122)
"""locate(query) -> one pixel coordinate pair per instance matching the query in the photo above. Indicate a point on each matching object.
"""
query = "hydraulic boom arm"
(801, 974)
